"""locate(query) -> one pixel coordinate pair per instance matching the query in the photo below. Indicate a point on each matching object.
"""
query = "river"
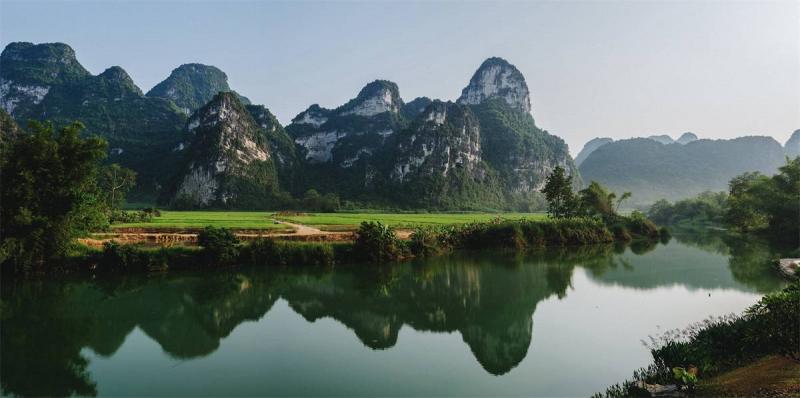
(555, 322)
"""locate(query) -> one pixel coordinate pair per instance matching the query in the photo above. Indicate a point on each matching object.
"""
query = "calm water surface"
(561, 322)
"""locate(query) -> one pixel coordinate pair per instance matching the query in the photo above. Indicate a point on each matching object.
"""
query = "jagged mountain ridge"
(488, 139)
(46, 81)
(488, 142)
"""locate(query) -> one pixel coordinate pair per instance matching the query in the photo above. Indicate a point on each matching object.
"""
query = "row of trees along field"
(754, 203)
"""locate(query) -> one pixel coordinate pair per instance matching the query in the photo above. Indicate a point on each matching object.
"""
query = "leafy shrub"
(639, 225)
(376, 242)
(219, 243)
(620, 232)
(268, 252)
(123, 217)
(427, 241)
(123, 258)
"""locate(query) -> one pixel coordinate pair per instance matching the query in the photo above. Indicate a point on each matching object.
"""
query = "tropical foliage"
(49, 193)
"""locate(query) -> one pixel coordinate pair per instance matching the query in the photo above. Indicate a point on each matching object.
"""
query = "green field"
(324, 221)
(350, 221)
(201, 219)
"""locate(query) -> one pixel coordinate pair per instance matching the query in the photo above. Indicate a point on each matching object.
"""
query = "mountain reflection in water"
(487, 298)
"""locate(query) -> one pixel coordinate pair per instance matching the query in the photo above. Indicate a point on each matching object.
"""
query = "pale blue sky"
(618, 69)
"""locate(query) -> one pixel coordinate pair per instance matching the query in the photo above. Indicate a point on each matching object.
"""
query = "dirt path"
(303, 230)
(300, 232)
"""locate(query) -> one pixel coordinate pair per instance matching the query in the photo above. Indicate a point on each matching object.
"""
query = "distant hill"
(792, 146)
(652, 171)
(590, 147)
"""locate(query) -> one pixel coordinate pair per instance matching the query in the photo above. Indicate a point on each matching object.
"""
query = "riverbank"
(756, 353)
(372, 243)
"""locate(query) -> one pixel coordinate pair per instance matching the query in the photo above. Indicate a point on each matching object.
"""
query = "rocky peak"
(119, 76)
(191, 86)
(227, 144)
(590, 147)
(375, 98)
(496, 78)
(45, 63)
(315, 115)
(793, 144)
(686, 138)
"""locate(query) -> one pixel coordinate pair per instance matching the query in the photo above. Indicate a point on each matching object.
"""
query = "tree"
(49, 193)
(115, 181)
(625, 196)
(561, 201)
(743, 212)
(597, 201)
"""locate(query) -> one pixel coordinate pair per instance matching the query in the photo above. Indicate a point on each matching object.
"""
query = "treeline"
(754, 203)
(374, 243)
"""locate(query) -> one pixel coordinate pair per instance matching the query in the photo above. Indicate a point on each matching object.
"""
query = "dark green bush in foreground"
(219, 244)
(376, 242)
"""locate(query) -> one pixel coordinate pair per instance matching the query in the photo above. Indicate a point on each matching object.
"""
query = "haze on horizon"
(599, 69)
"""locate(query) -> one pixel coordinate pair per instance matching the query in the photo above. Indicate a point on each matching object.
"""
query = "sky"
(595, 69)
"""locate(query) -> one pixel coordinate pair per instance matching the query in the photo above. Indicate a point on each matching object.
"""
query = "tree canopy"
(49, 193)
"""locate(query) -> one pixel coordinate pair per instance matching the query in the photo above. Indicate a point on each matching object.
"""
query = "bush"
(427, 241)
(116, 257)
(640, 226)
(376, 242)
(219, 243)
(122, 217)
(267, 252)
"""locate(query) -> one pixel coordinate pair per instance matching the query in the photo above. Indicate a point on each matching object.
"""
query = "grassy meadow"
(323, 221)
(351, 221)
(201, 219)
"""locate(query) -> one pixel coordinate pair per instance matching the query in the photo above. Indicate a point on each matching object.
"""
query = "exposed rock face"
(228, 158)
(792, 146)
(590, 147)
(496, 78)
(29, 71)
(191, 86)
(46, 81)
(282, 148)
(444, 138)
(686, 138)
(351, 132)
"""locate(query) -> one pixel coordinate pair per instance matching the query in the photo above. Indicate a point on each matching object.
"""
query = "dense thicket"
(49, 193)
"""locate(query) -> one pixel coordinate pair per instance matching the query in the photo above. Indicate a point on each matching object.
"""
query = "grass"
(770, 376)
(201, 219)
(351, 221)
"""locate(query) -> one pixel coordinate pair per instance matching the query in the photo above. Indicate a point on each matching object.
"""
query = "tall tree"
(115, 181)
(561, 201)
(49, 193)
(597, 201)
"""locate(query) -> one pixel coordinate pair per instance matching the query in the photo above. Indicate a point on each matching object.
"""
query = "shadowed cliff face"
(489, 299)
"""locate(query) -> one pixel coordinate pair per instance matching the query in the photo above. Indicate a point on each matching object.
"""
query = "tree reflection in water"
(488, 298)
